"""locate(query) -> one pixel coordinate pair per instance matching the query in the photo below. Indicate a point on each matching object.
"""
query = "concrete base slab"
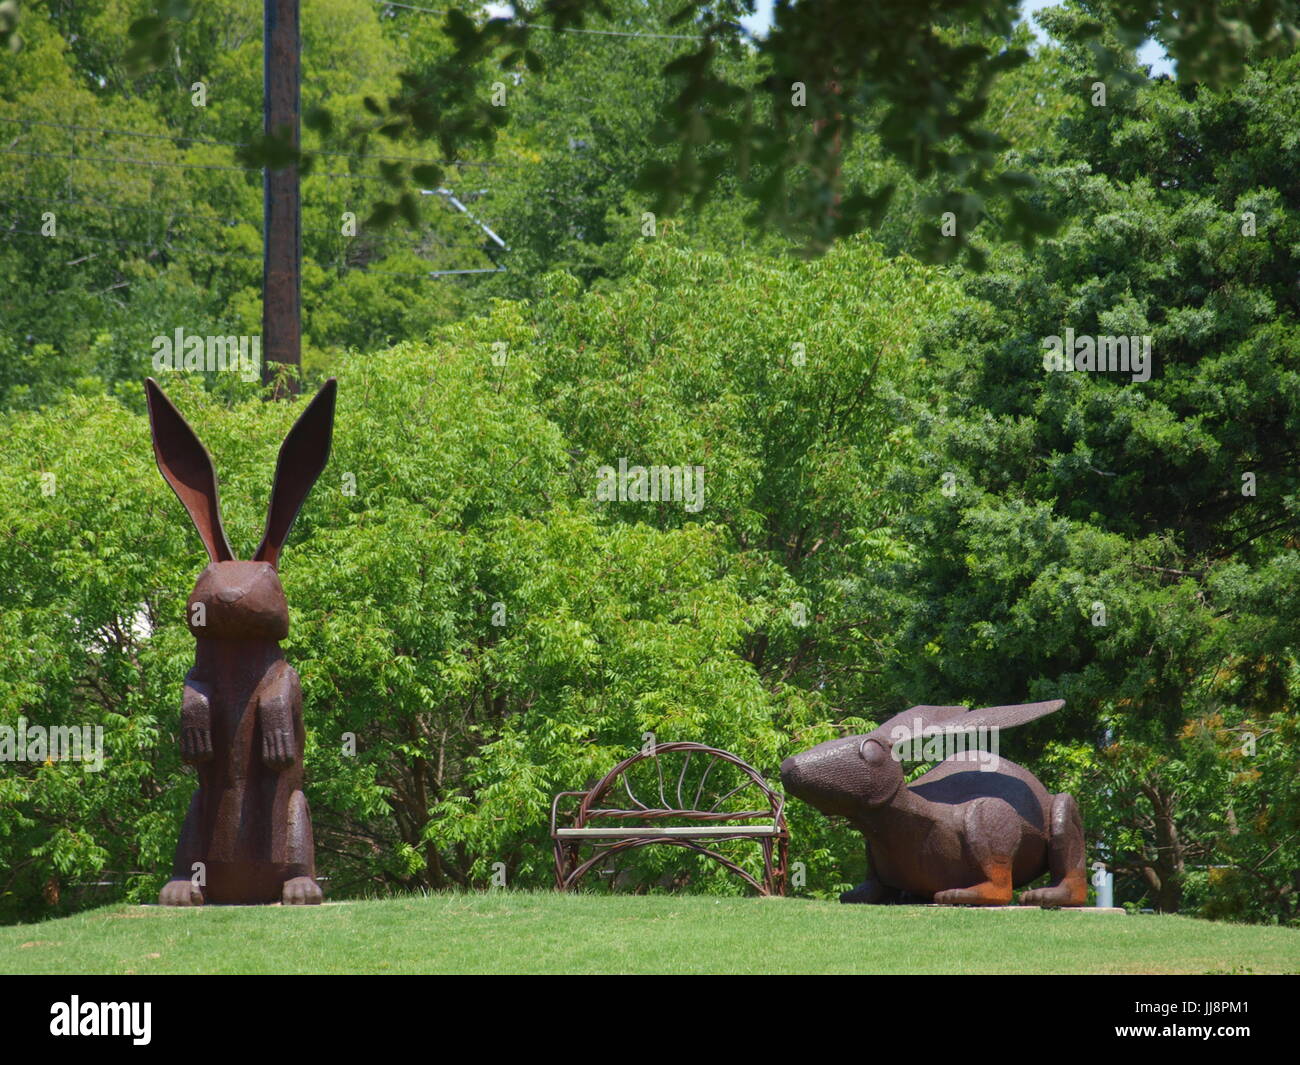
(1030, 909)
(239, 906)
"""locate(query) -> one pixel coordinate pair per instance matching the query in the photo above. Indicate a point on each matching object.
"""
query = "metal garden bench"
(716, 811)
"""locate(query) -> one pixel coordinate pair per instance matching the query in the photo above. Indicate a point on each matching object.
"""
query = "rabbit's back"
(952, 783)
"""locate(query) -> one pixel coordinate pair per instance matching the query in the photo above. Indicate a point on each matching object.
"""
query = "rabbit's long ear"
(916, 718)
(187, 467)
(1004, 716)
(915, 721)
(302, 458)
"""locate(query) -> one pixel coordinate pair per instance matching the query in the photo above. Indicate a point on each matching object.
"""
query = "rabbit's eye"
(871, 751)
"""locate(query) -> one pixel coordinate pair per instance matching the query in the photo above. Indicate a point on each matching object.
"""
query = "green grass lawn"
(547, 933)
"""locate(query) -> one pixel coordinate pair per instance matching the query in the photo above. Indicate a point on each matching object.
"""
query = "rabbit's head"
(234, 599)
(239, 600)
(841, 777)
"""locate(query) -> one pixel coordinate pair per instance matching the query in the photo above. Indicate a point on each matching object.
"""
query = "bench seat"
(673, 831)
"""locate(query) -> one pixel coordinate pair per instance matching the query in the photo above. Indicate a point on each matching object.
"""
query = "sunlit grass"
(547, 933)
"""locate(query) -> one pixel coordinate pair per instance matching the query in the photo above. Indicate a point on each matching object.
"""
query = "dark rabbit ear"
(187, 467)
(1004, 716)
(928, 716)
(302, 458)
(962, 719)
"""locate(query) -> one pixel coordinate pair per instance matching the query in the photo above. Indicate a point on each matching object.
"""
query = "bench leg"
(564, 864)
(774, 868)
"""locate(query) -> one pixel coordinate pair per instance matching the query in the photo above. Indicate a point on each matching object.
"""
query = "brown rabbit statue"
(965, 833)
(247, 836)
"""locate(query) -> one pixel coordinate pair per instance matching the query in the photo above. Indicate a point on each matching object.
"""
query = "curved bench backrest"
(679, 793)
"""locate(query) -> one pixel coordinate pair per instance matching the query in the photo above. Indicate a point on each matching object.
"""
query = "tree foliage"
(901, 503)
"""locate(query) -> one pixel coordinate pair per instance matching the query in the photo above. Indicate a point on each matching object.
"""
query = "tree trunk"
(1164, 872)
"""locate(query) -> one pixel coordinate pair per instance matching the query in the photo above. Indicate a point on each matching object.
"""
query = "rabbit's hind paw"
(301, 891)
(991, 893)
(1072, 891)
(180, 892)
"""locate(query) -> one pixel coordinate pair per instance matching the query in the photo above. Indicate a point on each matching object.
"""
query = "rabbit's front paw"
(196, 745)
(277, 748)
(301, 891)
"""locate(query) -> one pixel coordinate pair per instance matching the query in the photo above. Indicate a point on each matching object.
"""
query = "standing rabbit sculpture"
(247, 836)
(965, 833)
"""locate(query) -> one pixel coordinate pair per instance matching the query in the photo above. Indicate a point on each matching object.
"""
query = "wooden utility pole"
(281, 207)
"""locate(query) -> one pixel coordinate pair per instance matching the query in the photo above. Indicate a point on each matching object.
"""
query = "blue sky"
(760, 20)
(1150, 53)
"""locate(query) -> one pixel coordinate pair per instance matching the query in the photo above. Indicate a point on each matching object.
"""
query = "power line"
(136, 162)
(170, 248)
(448, 196)
(104, 205)
(166, 248)
(415, 159)
(173, 249)
(100, 205)
(244, 144)
(123, 161)
(123, 132)
(556, 29)
(432, 273)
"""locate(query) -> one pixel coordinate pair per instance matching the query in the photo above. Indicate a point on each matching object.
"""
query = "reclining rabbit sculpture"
(248, 829)
(962, 834)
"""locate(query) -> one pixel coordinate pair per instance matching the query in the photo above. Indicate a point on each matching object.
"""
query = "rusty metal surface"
(248, 829)
(570, 868)
(962, 833)
(282, 209)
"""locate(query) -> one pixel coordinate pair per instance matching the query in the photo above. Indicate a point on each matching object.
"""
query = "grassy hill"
(547, 933)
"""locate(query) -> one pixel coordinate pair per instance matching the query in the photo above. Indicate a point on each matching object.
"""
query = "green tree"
(1106, 538)
(507, 634)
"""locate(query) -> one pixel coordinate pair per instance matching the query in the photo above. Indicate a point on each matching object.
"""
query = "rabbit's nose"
(229, 595)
